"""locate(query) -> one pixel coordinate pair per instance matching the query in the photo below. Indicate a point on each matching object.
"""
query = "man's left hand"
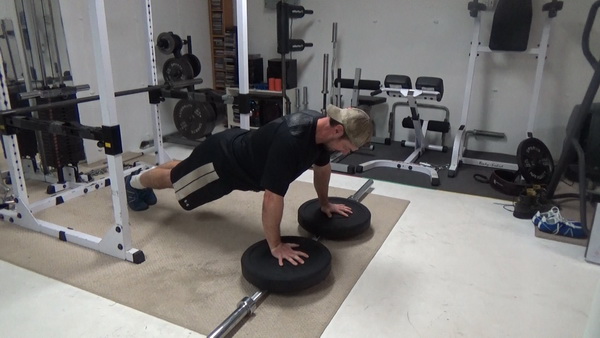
(341, 209)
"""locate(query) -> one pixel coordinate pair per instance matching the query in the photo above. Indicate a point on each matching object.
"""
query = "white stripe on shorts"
(194, 180)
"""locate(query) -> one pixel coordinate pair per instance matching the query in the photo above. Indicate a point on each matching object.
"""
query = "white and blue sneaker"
(553, 222)
(537, 218)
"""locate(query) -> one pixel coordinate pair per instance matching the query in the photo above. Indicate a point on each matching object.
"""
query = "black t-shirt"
(273, 156)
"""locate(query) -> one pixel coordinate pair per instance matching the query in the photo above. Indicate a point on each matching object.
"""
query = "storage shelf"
(224, 43)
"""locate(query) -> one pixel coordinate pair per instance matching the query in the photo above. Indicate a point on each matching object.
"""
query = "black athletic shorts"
(196, 179)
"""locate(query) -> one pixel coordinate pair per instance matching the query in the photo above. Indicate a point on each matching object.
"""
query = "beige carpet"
(192, 275)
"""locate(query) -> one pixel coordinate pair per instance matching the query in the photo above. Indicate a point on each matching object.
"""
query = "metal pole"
(39, 45)
(242, 40)
(108, 107)
(539, 73)
(54, 33)
(161, 154)
(246, 306)
(333, 57)
(325, 80)
(71, 102)
(54, 92)
(47, 39)
(305, 97)
(10, 52)
(470, 71)
(357, 196)
(298, 98)
(40, 51)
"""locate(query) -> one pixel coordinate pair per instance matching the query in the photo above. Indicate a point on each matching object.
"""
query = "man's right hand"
(285, 251)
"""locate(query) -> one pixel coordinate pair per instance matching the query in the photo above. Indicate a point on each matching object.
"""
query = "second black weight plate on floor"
(313, 220)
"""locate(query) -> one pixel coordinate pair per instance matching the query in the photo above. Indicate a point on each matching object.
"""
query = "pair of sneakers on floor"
(554, 223)
(138, 199)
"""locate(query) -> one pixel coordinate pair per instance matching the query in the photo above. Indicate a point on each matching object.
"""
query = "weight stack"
(291, 75)
(60, 150)
(26, 138)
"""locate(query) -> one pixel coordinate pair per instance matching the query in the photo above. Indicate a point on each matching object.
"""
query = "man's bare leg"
(157, 177)
(169, 165)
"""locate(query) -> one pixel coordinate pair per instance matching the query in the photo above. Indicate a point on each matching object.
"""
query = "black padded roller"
(431, 83)
(362, 84)
(438, 126)
(397, 81)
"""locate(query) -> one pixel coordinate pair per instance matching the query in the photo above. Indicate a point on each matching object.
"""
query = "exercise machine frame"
(459, 147)
(420, 144)
(572, 148)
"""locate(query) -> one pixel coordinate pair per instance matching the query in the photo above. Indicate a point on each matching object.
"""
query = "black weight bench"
(426, 83)
(364, 102)
(426, 88)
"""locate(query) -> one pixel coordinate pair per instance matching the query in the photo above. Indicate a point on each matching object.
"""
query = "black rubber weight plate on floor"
(313, 220)
(535, 161)
(262, 270)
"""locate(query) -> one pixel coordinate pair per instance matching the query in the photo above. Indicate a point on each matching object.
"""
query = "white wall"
(128, 46)
(410, 37)
(432, 38)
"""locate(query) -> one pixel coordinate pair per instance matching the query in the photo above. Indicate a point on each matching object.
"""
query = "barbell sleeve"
(245, 307)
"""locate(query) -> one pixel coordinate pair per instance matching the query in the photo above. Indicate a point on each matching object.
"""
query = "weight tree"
(117, 239)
